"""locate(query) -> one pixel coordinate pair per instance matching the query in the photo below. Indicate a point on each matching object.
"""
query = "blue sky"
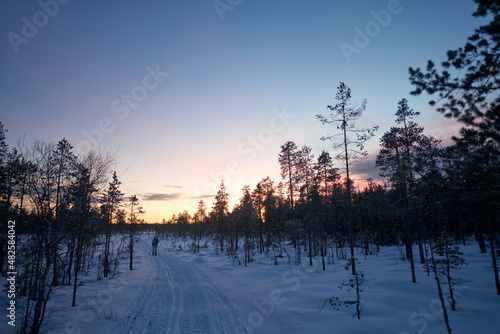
(215, 106)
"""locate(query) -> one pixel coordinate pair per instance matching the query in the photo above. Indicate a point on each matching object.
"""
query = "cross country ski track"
(176, 297)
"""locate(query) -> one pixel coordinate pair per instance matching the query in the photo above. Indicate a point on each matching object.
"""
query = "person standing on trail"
(155, 245)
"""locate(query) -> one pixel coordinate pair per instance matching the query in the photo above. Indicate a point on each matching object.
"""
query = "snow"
(176, 297)
(181, 292)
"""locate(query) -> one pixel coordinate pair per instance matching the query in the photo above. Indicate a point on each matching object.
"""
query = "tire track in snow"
(176, 297)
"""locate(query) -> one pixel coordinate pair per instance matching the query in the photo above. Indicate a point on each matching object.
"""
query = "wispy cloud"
(173, 186)
(160, 197)
(201, 196)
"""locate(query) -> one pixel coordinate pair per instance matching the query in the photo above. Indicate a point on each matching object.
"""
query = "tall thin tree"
(344, 115)
(134, 202)
(112, 199)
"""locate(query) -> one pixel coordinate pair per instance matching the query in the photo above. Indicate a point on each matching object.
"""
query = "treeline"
(429, 189)
(64, 213)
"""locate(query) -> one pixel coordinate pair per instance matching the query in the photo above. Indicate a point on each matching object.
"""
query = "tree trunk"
(479, 237)
(236, 231)
(41, 302)
(450, 284)
(107, 242)
(261, 235)
(131, 236)
(323, 251)
(409, 249)
(310, 246)
(291, 186)
(494, 259)
(358, 297)
(77, 264)
(440, 292)
(443, 305)
(348, 188)
(408, 239)
(420, 243)
(131, 247)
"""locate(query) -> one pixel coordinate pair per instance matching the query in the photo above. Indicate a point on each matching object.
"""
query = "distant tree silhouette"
(220, 210)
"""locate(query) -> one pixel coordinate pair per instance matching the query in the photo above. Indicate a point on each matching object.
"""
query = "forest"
(68, 209)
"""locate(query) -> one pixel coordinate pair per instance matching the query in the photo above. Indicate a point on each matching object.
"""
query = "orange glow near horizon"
(156, 211)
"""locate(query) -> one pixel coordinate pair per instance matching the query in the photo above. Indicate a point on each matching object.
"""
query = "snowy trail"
(176, 297)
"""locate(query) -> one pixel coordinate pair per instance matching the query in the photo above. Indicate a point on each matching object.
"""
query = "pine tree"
(63, 160)
(133, 202)
(397, 159)
(199, 218)
(111, 199)
(344, 116)
(258, 197)
(305, 170)
(246, 219)
(288, 162)
(326, 173)
(81, 195)
(473, 99)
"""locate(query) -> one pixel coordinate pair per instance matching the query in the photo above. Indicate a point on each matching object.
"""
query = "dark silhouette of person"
(155, 245)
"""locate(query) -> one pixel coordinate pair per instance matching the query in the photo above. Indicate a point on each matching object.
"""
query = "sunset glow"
(189, 95)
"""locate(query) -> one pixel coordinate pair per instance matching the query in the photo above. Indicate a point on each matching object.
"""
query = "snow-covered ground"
(181, 292)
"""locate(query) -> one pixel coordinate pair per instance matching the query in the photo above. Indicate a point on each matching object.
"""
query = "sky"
(189, 93)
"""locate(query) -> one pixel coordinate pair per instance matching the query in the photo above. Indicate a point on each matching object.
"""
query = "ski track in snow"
(176, 297)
